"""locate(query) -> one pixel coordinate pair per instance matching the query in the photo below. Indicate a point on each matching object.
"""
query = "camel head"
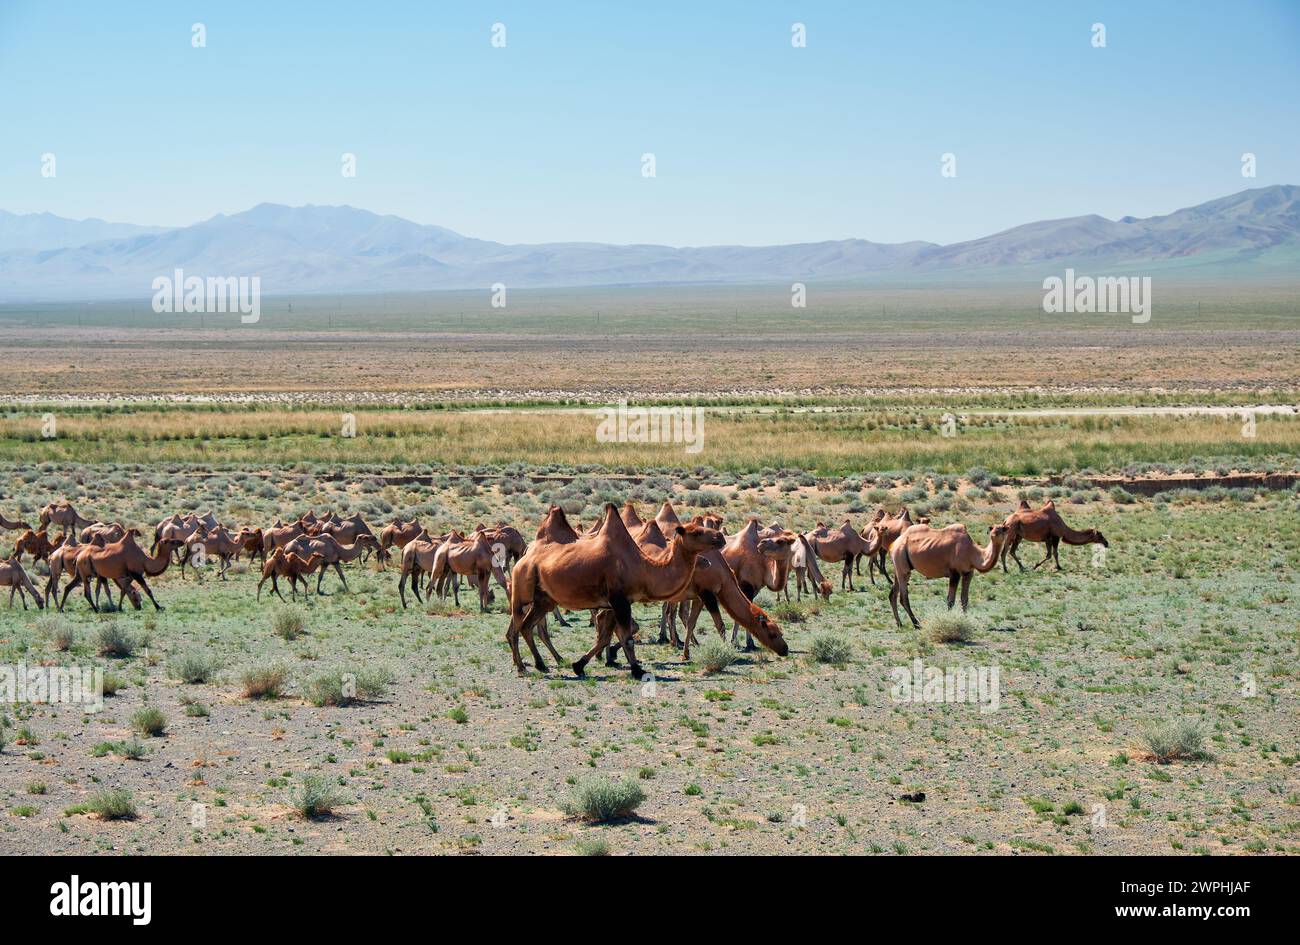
(999, 534)
(165, 545)
(698, 538)
(367, 540)
(767, 632)
(779, 547)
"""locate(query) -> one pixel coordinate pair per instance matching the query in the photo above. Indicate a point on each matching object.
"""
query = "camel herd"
(686, 567)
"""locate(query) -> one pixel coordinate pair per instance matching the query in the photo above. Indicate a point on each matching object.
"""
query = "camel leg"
(965, 590)
(139, 579)
(1047, 557)
(624, 626)
(1055, 546)
(897, 592)
(559, 618)
(339, 569)
(953, 578)
(401, 588)
(68, 590)
(604, 630)
(545, 634)
(85, 590)
(848, 571)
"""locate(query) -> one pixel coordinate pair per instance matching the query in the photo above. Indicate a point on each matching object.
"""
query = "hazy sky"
(755, 141)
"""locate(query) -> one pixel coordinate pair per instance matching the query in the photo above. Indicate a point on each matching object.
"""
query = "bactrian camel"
(1044, 525)
(941, 552)
(604, 571)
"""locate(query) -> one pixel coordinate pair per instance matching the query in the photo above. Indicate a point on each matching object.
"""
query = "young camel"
(122, 562)
(941, 552)
(606, 571)
(14, 577)
(335, 553)
(840, 544)
(287, 564)
(1044, 525)
(38, 544)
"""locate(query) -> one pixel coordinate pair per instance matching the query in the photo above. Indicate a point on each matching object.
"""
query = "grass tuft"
(715, 655)
(600, 800)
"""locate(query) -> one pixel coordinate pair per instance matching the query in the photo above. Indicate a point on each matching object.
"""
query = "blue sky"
(755, 141)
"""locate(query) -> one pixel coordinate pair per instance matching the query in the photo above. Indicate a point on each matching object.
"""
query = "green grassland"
(449, 751)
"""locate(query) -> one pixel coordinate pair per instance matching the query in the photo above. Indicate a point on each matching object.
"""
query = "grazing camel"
(122, 561)
(14, 526)
(472, 558)
(941, 552)
(839, 544)
(38, 544)
(606, 571)
(758, 563)
(63, 515)
(1044, 525)
(881, 535)
(712, 584)
(417, 559)
(283, 563)
(14, 577)
(109, 531)
(334, 553)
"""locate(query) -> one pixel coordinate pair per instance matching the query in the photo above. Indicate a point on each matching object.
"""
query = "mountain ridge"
(323, 248)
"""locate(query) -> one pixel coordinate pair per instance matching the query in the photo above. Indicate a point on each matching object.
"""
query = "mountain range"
(343, 249)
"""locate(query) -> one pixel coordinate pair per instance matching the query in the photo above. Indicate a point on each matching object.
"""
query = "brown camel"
(334, 553)
(287, 564)
(277, 536)
(122, 560)
(14, 526)
(472, 558)
(14, 577)
(1044, 525)
(941, 552)
(509, 543)
(876, 519)
(217, 543)
(758, 563)
(606, 571)
(417, 560)
(397, 533)
(63, 515)
(842, 544)
(713, 583)
(109, 531)
(348, 530)
(807, 573)
(62, 560)
(38, 544)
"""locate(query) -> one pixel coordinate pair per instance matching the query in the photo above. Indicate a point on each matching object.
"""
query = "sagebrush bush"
(112, 640)
(193, 667)
(289, 622)
(317, 796)
(715, 655)
(1175, 740)
(264, 682)
(344, 687)
(149, 721)
(950, 628)
(117, 804)
(831, 648)
(601, 800)
(58, 631)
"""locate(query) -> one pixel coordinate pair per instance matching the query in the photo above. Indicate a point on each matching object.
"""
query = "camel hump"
(1049, 504)
(1024, 505)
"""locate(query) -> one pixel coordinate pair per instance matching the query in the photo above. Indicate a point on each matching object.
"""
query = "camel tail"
(1072, 537)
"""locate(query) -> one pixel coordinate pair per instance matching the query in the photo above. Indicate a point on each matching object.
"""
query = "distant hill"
(34, 231)
(333, 249)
